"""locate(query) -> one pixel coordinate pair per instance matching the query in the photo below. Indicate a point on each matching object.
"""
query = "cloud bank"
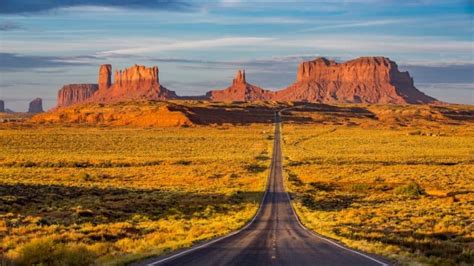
(32, 6)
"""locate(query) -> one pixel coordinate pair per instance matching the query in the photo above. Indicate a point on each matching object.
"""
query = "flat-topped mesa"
(240, 90)
(75, 93)
(362, 80)
(135, 83)
(105, 76)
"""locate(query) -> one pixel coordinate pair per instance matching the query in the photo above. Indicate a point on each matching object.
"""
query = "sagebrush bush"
(46, 251)
(410, 189)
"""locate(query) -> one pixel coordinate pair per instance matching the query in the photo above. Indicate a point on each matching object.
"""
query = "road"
(274, 237)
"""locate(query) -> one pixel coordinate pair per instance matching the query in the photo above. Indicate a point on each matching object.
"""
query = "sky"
(199, 45)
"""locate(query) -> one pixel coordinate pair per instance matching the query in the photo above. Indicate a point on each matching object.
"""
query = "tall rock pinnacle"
(240, 90)
(239, 77)
(105, 76)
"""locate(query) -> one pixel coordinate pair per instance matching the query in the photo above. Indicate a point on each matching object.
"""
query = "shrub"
(360, 187)
(255, 168)
(85, 176)
(45, 251)
(183, 162)
(262, 157)
(37, 251)
(322, 186)
(410, 189)
(293, 178)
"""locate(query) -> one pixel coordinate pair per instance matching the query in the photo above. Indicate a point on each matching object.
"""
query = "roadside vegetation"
(393, 190)
(78, 195)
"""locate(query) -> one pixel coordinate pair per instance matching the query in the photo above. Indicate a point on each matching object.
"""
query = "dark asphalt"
(275, 237)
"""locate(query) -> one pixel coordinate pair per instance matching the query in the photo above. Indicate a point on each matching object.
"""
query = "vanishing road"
(274, 237)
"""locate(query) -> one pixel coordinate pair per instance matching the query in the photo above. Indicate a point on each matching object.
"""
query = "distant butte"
(36, 106)
(135, 83)
(362, 80)
(240, 90)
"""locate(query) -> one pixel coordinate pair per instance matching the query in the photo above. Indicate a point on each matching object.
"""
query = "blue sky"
(198, 45)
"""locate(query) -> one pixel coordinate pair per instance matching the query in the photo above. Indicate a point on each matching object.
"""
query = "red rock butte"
(240, 90)
(362, 80)
(134, 83)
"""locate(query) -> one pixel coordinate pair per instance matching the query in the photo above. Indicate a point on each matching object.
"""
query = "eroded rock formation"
(36, 106)
(240, 90)
(105, 76)
(2, 106)
(75, 93)
(362, 80)
(134, 83)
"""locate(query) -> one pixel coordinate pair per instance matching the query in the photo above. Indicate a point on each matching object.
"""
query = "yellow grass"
(397, 192)
(119, 194)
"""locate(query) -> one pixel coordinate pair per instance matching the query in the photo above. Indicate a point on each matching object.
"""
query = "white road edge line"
(184, 252)
(315, 234)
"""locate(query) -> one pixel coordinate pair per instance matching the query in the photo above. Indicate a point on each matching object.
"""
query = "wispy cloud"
(31, 6)
(358, 24)
(160, 46)
(10, 26)
(15, 62)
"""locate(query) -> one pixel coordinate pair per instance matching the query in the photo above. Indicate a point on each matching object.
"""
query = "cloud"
(355, 24)
(9, 26)
(160, 46)
(31, 6)
(442, 74)
(15, 62)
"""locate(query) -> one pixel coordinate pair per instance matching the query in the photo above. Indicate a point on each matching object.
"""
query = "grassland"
(402, 190)
(72, 195)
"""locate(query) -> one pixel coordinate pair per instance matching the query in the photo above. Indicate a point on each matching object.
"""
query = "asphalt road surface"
(274, 237)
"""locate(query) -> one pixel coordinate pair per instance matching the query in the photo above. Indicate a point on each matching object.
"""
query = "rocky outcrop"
(75, 93)
(145, 114)
(363, 80)
(240, 90)
(36, 106)
(2, 106)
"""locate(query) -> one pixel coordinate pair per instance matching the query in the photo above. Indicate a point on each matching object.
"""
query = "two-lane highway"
(274, 237)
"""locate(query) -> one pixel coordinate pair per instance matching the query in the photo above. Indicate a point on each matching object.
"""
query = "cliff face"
(134, 83)
(240, 90)
(75, 93)
(36, 106)
(2, 106)
(363, 80)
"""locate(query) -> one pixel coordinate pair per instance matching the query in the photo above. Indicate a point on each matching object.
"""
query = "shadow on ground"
(59, 204)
